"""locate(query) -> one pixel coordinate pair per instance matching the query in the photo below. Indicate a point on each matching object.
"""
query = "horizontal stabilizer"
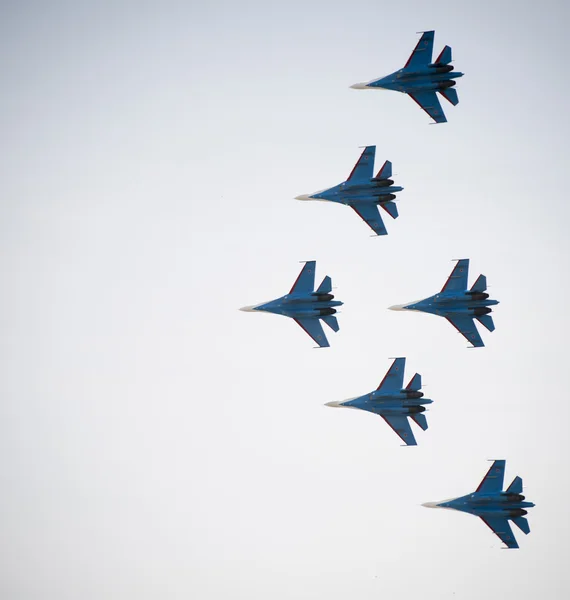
(326, 286)
(331, 321)
(522, 524)
(391, 209)
(480, 285)
(450, 94)
(486, 321)
(385, 172)
(516, 486)
(420, 420)
(415, 384)
(445, 56)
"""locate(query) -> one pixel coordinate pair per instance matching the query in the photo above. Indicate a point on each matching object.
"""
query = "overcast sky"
(158, 443)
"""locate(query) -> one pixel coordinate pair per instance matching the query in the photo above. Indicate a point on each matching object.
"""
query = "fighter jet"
(495, 507)
(458, 305)
(421, 78)
(305, 305)
(393, 402)
(363, 192)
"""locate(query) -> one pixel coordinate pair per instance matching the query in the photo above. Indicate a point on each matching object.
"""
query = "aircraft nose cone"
(248, 308)
(398, 307)
(335, 404)
(359, 86)
(430, 504)
(303, 197)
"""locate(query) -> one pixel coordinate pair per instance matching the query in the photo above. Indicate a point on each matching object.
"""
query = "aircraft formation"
(422, 79)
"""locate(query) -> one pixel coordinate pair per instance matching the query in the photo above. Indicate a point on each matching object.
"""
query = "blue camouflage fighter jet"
(459, 305)
(421, 78)
(306, 306)
(363, 192)
(494, 506)
(394, 403)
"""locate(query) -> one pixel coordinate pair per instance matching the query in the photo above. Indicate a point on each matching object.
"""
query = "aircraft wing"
(501, 528)
(430, 103)
(305, 281)
(369, 213)
(394, 379)
(457, 281)
(466, 327)
(423, 52)
(364, 167)
(401, 425)
(493, 481)
(313, 327)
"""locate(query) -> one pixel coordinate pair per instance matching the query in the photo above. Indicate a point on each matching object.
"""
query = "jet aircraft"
(305, 305)
(421, 78)
(459, 305)
(495, 507)
(363, 192)
(393, 402)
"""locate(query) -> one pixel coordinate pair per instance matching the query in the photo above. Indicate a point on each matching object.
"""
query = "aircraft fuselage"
(495, 505)
(297, 306)
(407, 402)
(428, 79)
(368, 193)
(456, 304)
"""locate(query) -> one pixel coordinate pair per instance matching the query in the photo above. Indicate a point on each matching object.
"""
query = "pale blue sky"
(158, 443)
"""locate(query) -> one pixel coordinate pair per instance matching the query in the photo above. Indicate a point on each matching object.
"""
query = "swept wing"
(500, 527)
(305, 281)
(429, 102)
(466, 327)
(369, 213)
(401, 425)
(313, 327)
(493, 480)
(423, 52)
(394, 379)
(457, 281)
(364, 167)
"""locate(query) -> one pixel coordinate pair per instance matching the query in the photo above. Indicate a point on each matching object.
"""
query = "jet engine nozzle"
(414, 410)
(515, 498)
(323, 312)
(383, 182)
(478, 295)
(517, 512)
(412, 394)
(323, 297)
(386, 198)
(446, 84)
(441, 68)
(481, 310)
